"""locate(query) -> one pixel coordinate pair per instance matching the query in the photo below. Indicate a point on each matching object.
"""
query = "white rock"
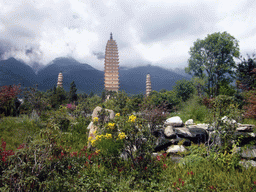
(247, 164)
(97, 109)
(174, 121)
(225, 119)
(189, 122)
(169, 132)
(176, 149)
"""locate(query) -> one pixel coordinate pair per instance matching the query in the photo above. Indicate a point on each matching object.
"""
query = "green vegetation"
(46, 146)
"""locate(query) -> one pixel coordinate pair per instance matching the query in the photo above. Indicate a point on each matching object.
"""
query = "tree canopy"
(213, 59)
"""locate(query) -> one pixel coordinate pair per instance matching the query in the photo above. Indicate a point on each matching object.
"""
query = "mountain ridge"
(87, 78)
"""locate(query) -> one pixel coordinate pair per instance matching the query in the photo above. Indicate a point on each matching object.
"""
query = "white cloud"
(159, 32)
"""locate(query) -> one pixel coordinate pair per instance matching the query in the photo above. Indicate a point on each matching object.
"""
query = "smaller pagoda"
(60, 80)
(148, 85)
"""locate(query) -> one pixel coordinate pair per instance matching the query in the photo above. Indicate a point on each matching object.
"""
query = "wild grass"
(193, 109)
(15, 130)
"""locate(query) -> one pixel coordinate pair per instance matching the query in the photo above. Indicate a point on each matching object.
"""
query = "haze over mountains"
(86, 78)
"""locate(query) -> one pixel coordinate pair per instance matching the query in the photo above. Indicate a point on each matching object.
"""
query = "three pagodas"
(111, 69)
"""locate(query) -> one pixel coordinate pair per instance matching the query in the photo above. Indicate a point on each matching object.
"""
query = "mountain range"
(87, 78)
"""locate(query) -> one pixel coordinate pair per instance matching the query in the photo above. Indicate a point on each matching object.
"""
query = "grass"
(193, 109)
(15, 130)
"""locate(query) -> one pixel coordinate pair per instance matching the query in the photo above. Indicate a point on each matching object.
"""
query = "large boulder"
(174, 121)
(245, 127)
(176, 149)
(189, 122)
(169, 132)
(196, 135)
(92, 127)
(247, 152)
(111, 113)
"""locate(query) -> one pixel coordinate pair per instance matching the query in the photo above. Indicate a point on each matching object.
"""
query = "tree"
(246, 73)
(8, 99)
(58, 98)
(184, 89)
(213, 59)
(72, 92)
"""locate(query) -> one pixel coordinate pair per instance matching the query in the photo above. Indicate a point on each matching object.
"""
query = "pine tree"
(72, 92)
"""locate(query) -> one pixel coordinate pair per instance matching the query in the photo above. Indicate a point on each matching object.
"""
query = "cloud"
(158, 32)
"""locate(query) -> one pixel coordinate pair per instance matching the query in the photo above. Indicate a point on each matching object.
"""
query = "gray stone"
(189, 122)
(169, 132)
(174, 121)
(196, 135)
(227, 120)
(245, 128)
(176, 149)
(183, 132)
(107, 118)
(247, 164)
(247, 153)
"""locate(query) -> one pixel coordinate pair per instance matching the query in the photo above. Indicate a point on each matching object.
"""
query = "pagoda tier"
(148, 85)
(60, 80)
(111, 68)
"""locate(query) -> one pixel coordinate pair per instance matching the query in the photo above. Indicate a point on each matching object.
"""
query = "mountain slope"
(134, 80)
(86, 78)
(13, 71)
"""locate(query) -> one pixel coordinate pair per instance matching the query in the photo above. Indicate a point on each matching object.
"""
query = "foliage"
(34, 100)
(59, 97)
(246, 73)
(72, 92)
(251, 104)
(8, 100)
(86, 105)
(193, 109)
(213, 59)
(184, 89)
(15, 130)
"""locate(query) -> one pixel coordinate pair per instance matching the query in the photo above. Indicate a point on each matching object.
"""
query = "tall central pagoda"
(111, 68)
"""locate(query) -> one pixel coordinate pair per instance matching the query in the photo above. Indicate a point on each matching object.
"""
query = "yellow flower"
(94, 133)
(121, 135)
(132, 118)
(118, 115)
(108, 136)
(93, 142)
(111, 125)
(97, 151)
(95, 119)
(90, 138)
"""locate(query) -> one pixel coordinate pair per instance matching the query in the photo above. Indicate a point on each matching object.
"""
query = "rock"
(184, 142)
(163, 145)
(189, 122)
(245, 128)
(247, 153)
(176, 149)
(174, 121)
(226, 120)
(247, 164)
(196, 135)
(111, 114)
(183, 132)
(169, 132)
(92, 128)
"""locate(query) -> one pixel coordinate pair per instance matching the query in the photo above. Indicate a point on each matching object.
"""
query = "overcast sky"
(157, 32)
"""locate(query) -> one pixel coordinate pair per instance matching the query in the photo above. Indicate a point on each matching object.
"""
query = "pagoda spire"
(111, 69)
(148, 85)
(60, 80)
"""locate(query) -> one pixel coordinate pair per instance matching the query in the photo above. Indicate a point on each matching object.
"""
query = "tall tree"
(72, 92)
(246, 73)
(213, 59)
